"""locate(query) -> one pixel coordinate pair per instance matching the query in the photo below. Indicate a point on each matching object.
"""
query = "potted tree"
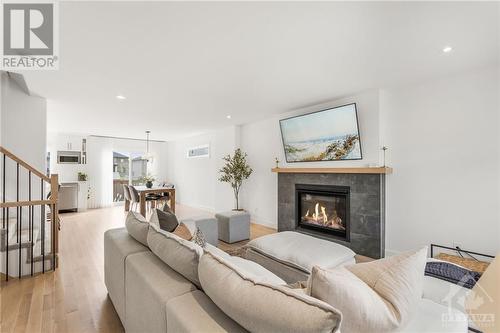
(235, 172)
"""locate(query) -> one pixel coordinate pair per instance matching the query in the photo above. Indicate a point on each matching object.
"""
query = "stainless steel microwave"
(69, 157)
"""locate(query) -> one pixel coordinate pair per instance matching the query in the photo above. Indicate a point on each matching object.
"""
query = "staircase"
(29, 219)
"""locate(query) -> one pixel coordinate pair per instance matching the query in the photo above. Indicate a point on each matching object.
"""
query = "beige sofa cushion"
(379, 296)
(137, 227)
(180, 254)
(195, 312)
(149, 285)
(260, 306)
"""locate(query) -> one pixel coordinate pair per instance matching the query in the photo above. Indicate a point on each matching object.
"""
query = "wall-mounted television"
(326, 135)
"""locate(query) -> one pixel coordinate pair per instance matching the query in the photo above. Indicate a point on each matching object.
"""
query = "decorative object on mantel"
(235, 172)
(360, 170)
(82, 177)
(277, 162)
(384, 148)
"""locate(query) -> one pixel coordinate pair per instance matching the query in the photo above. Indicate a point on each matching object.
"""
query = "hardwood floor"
(74, 298)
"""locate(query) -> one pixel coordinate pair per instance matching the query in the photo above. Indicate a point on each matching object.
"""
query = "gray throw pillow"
(165, 220)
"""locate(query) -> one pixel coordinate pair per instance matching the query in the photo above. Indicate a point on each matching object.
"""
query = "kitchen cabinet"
(69, 143)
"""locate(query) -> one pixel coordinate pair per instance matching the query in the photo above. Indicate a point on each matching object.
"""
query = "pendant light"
(148, 157)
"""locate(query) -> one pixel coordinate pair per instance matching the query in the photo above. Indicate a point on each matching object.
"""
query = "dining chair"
(136, 198)
(126, 193)
(165, 196)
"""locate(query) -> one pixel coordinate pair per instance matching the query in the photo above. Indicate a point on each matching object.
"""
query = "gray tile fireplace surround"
(367, 208)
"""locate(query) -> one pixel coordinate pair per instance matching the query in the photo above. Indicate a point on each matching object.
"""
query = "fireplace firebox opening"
(323, 208)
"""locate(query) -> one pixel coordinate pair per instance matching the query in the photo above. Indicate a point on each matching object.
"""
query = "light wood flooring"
(74, 298)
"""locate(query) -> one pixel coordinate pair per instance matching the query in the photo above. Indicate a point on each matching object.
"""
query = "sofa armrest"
(118, 245)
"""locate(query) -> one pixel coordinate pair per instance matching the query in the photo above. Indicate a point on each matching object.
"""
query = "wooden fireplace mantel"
(363, 170)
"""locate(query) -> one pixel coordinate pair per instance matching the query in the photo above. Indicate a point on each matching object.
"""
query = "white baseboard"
(210, 210)
(265, 223)
(389, 252)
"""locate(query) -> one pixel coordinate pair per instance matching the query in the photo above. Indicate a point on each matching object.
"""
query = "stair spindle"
(30, 226)
(42, 229)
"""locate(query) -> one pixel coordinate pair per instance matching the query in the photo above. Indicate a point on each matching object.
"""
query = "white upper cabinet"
(69, 142)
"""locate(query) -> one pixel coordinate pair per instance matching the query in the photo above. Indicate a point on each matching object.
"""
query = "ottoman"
(234, 226)
(291, 255)
(207, 225)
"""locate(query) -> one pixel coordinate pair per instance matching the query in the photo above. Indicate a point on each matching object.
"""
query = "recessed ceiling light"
(228, 116)
(447, 49)
(120, 97)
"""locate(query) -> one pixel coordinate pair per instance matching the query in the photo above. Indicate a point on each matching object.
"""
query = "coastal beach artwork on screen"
(327, 135)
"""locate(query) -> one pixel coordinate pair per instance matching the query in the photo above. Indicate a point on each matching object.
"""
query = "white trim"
(390, 253)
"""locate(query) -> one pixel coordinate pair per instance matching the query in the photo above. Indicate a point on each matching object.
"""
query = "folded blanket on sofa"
(452, 273)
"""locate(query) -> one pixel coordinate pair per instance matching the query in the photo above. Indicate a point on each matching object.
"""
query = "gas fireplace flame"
(320, 217)
(316, 216)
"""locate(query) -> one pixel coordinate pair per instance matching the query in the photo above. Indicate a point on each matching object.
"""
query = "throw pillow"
(183, 232)
(260, 306)
(166, 220)
(181, 255)
(199, 238)
(137, 227)
(378, 296)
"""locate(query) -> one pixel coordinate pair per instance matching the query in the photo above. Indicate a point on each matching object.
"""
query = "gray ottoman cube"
(207, 225)
(234, 226)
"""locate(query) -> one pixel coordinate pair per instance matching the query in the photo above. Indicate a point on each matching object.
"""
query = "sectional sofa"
(154, 290)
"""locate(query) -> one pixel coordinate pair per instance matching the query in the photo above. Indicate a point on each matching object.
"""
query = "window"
(121, 164)
(200, 151)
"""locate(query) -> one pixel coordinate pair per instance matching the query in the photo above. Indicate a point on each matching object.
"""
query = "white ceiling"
(184, 66)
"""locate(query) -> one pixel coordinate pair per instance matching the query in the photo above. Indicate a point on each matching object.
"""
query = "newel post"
(54, 197)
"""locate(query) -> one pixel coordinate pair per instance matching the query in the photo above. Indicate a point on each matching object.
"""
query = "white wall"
(444, 146)
(23, 132)
(24, 123)
(262, 142)
(196, 179)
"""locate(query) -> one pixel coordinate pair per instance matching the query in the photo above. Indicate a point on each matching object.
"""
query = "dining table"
(144, 191)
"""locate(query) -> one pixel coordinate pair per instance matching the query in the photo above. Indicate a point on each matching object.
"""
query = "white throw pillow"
(378, 296)
(180, 254)
(260, 306)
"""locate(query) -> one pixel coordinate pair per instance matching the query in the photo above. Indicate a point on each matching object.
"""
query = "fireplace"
(323, 209)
